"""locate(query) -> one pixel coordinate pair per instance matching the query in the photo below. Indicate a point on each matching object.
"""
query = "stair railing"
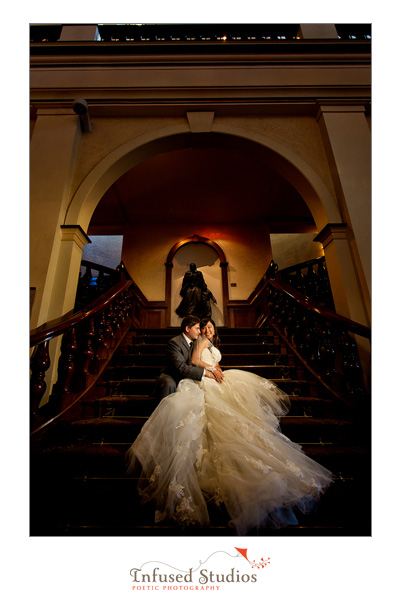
(325, 342)
(311, 279)
(91, 286)
(89, 337)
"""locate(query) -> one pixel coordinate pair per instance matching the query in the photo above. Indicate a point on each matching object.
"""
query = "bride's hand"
(218, 374)
(214, 373)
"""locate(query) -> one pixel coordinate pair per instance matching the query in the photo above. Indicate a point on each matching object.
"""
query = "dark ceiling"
(207, 185)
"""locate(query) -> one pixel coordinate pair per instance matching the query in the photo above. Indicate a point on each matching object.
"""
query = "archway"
(302, 177)
(94, 185)
(169, 292)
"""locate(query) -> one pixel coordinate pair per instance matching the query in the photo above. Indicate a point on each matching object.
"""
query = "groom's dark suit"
(177, 367)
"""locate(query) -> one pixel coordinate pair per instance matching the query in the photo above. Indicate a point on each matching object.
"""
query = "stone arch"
(298, 172)
(196, 239)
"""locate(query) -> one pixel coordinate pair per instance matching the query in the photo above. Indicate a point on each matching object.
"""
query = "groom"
(178, 357)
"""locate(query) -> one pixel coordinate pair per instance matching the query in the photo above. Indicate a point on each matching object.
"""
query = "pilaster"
(54, 146)
(343, 276)
(347, 140)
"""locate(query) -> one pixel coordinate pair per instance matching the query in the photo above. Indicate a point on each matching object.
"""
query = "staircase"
(78, 480)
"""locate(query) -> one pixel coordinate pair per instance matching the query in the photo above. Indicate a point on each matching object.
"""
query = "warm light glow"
(215, 235)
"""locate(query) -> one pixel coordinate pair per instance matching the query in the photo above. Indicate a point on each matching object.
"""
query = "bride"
(221, 443)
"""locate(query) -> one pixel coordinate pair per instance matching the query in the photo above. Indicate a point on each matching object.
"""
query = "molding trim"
(331, 231)
(74, 233)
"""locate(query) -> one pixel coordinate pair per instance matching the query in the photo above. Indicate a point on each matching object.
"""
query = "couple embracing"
(183, 356)
(215, 438)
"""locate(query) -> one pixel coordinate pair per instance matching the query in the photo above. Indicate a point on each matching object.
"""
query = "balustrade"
(311, 279)
(88, 338)
(94, 281)
(40, 362)
(325, 341)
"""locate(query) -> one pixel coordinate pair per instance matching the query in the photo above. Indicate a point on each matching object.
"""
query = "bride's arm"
(211, 371)
(198, 349)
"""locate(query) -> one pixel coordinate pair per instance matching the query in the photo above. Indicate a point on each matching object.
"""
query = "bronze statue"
(196, 297)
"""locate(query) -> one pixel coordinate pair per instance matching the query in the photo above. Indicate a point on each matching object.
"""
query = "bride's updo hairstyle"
(216, 340)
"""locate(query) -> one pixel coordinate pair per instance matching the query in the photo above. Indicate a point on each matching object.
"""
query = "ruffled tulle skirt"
(221, 443)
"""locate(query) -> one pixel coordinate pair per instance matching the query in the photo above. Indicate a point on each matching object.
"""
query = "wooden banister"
(320, 337)
(59, 326)
(89, 338)
(272, 277)
(326, 313)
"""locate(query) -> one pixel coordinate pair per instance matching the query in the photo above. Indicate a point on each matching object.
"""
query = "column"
(73, 238)
(347, 140)
(53, 153)
(343, 275)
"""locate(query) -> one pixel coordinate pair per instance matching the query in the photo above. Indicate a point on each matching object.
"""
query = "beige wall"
(289, 249)
(246, 247)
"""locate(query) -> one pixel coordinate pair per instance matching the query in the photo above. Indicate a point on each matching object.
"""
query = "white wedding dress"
(221, 442)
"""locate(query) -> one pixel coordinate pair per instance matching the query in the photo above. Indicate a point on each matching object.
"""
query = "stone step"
(170, 332)
(301, 430)
(149, 359)
(145, 386)
(124, 406)
(235, 337)
(226, 348)
(107, 459)
(131, 372)
(131, 406)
